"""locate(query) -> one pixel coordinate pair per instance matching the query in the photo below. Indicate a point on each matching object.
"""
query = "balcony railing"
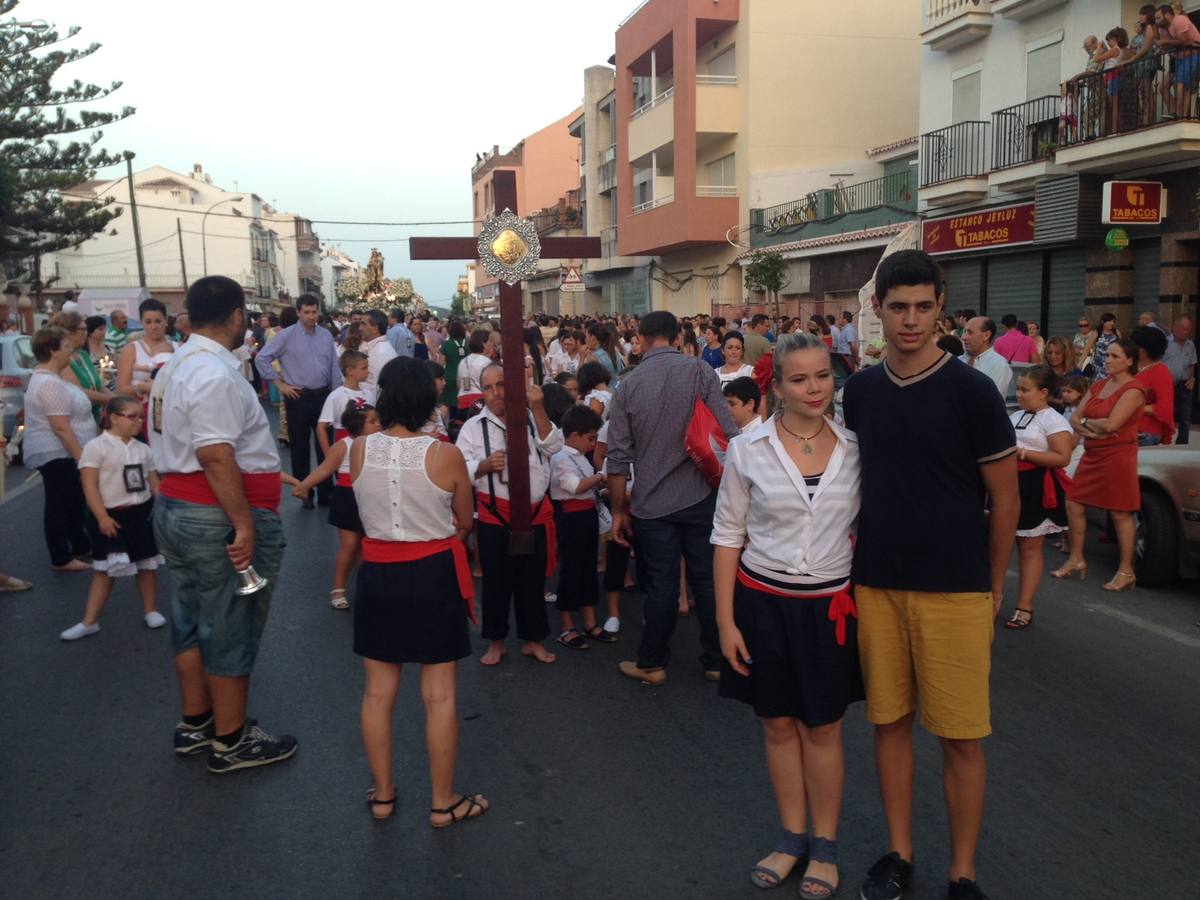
(652, 204)
(938, 12)
(716, 79)
(606, 176)
(959, 151)
(896, 190)
(1129, 98)
(566, 214)
(608, 154)
(716, 190)
(1025, 133)
(650, 104)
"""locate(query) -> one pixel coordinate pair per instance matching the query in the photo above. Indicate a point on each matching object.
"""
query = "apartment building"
(190, 227)
(546, 164)
(613, 284)
(723, 107)
(1016, 151)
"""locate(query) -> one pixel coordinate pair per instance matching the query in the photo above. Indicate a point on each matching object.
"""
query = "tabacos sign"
(1133, 203)
(1003, 226)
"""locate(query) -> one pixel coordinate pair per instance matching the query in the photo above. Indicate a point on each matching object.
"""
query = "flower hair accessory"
(360, 403)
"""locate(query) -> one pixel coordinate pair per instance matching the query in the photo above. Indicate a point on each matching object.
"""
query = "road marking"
(29, 484)
(1147, 625)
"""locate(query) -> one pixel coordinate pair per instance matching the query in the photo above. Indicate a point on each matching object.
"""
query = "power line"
(278, 216)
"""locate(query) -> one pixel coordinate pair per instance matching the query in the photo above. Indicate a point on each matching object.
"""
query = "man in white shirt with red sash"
(520, 579)
(216, 516)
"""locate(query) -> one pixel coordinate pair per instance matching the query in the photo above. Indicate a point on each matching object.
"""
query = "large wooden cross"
(512, 315)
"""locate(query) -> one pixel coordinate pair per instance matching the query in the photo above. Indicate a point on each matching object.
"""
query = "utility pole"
(182, 260)
(137, 231)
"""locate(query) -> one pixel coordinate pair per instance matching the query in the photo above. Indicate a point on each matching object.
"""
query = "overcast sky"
(364, 111)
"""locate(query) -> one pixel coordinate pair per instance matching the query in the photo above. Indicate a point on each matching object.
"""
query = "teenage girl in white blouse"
(782, 532)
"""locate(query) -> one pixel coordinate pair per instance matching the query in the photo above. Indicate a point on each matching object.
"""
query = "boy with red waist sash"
(519, 579)
(218, 515)
(573, 486)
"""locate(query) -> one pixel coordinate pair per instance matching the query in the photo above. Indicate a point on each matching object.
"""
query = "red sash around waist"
(841, 604)
(343, 480)
(340, 433)
(1049, 495)
(573, 506)
(262, 489)
(543, 514)
(376, 551)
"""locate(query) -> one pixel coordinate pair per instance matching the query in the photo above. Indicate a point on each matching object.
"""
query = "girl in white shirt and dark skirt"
(783, 536)
(119, 483)
(415, 591)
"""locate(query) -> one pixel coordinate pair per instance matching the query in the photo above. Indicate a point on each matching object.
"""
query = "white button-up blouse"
(764, 508)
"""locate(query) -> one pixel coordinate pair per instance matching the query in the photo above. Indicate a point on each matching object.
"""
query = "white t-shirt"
(114, 458)
(339, 398)
(469, 371)
(604, 398)
(1034, 429)
(744, 371)
(568, 467)
(200, 399)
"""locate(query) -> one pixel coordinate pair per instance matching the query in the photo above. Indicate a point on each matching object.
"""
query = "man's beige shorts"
(927, 651)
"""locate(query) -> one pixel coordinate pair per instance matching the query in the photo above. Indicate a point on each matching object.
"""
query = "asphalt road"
(600, 787)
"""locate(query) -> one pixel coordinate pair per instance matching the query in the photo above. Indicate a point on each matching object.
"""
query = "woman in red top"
(1107, 476)
(1157, 422)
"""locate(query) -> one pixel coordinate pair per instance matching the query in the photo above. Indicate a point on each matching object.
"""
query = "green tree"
(768, 272)
(458, 306)
(47, 145)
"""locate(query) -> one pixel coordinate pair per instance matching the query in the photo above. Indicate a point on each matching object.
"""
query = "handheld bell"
(249, 581)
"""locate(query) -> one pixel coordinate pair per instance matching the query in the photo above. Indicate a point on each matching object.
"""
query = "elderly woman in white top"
(782, 532)
(58, 422)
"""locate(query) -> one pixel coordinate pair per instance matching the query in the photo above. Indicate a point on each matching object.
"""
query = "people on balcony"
(1182, 39)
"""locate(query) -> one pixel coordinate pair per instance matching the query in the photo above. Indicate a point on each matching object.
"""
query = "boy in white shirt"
(743, 397)
(573, 482)
(355, 370)
(119, 483)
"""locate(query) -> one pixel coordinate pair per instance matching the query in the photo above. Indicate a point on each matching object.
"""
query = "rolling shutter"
(1147, 257)
(963, 284)
(1014, 285)
(1068, 273)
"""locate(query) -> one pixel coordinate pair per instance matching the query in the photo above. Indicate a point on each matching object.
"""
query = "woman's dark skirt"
(343, 510)
(411, 612)
(799, 670)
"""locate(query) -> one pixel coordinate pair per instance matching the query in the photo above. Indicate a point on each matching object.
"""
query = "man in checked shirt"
(671, 511)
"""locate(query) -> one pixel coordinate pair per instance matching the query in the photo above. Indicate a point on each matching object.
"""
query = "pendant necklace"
(808, 450)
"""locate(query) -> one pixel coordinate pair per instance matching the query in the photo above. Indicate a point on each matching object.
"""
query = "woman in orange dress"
(1107, 476)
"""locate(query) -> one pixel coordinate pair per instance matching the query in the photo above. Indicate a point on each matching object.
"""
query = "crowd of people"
(814, 554)
(1135, 77)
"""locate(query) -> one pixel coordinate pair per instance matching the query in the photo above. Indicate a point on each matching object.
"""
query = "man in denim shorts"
(929, 563)
(218, 513)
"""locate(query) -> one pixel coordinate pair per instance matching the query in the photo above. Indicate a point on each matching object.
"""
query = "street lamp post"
(203, 233)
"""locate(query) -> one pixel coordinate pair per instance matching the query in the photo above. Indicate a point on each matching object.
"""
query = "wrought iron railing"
(563, 215)
(957, 151)
(1137, 95)
(896, 190)
(1025, 133)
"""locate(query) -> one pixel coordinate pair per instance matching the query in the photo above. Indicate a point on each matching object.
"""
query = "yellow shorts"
(932, 651)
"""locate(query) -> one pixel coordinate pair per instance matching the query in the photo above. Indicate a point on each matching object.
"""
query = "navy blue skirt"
(411, 612)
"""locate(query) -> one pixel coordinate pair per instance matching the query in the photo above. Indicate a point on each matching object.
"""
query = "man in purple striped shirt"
(308, 364)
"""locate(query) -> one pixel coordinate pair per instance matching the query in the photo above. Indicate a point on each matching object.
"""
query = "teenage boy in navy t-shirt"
(929, 563)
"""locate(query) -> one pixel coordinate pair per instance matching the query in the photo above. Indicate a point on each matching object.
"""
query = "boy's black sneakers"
(888, 879)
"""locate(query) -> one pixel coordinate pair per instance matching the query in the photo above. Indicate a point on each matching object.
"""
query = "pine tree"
(46, 146)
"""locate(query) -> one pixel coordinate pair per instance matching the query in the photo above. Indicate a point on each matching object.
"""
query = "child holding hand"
(357, 420)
